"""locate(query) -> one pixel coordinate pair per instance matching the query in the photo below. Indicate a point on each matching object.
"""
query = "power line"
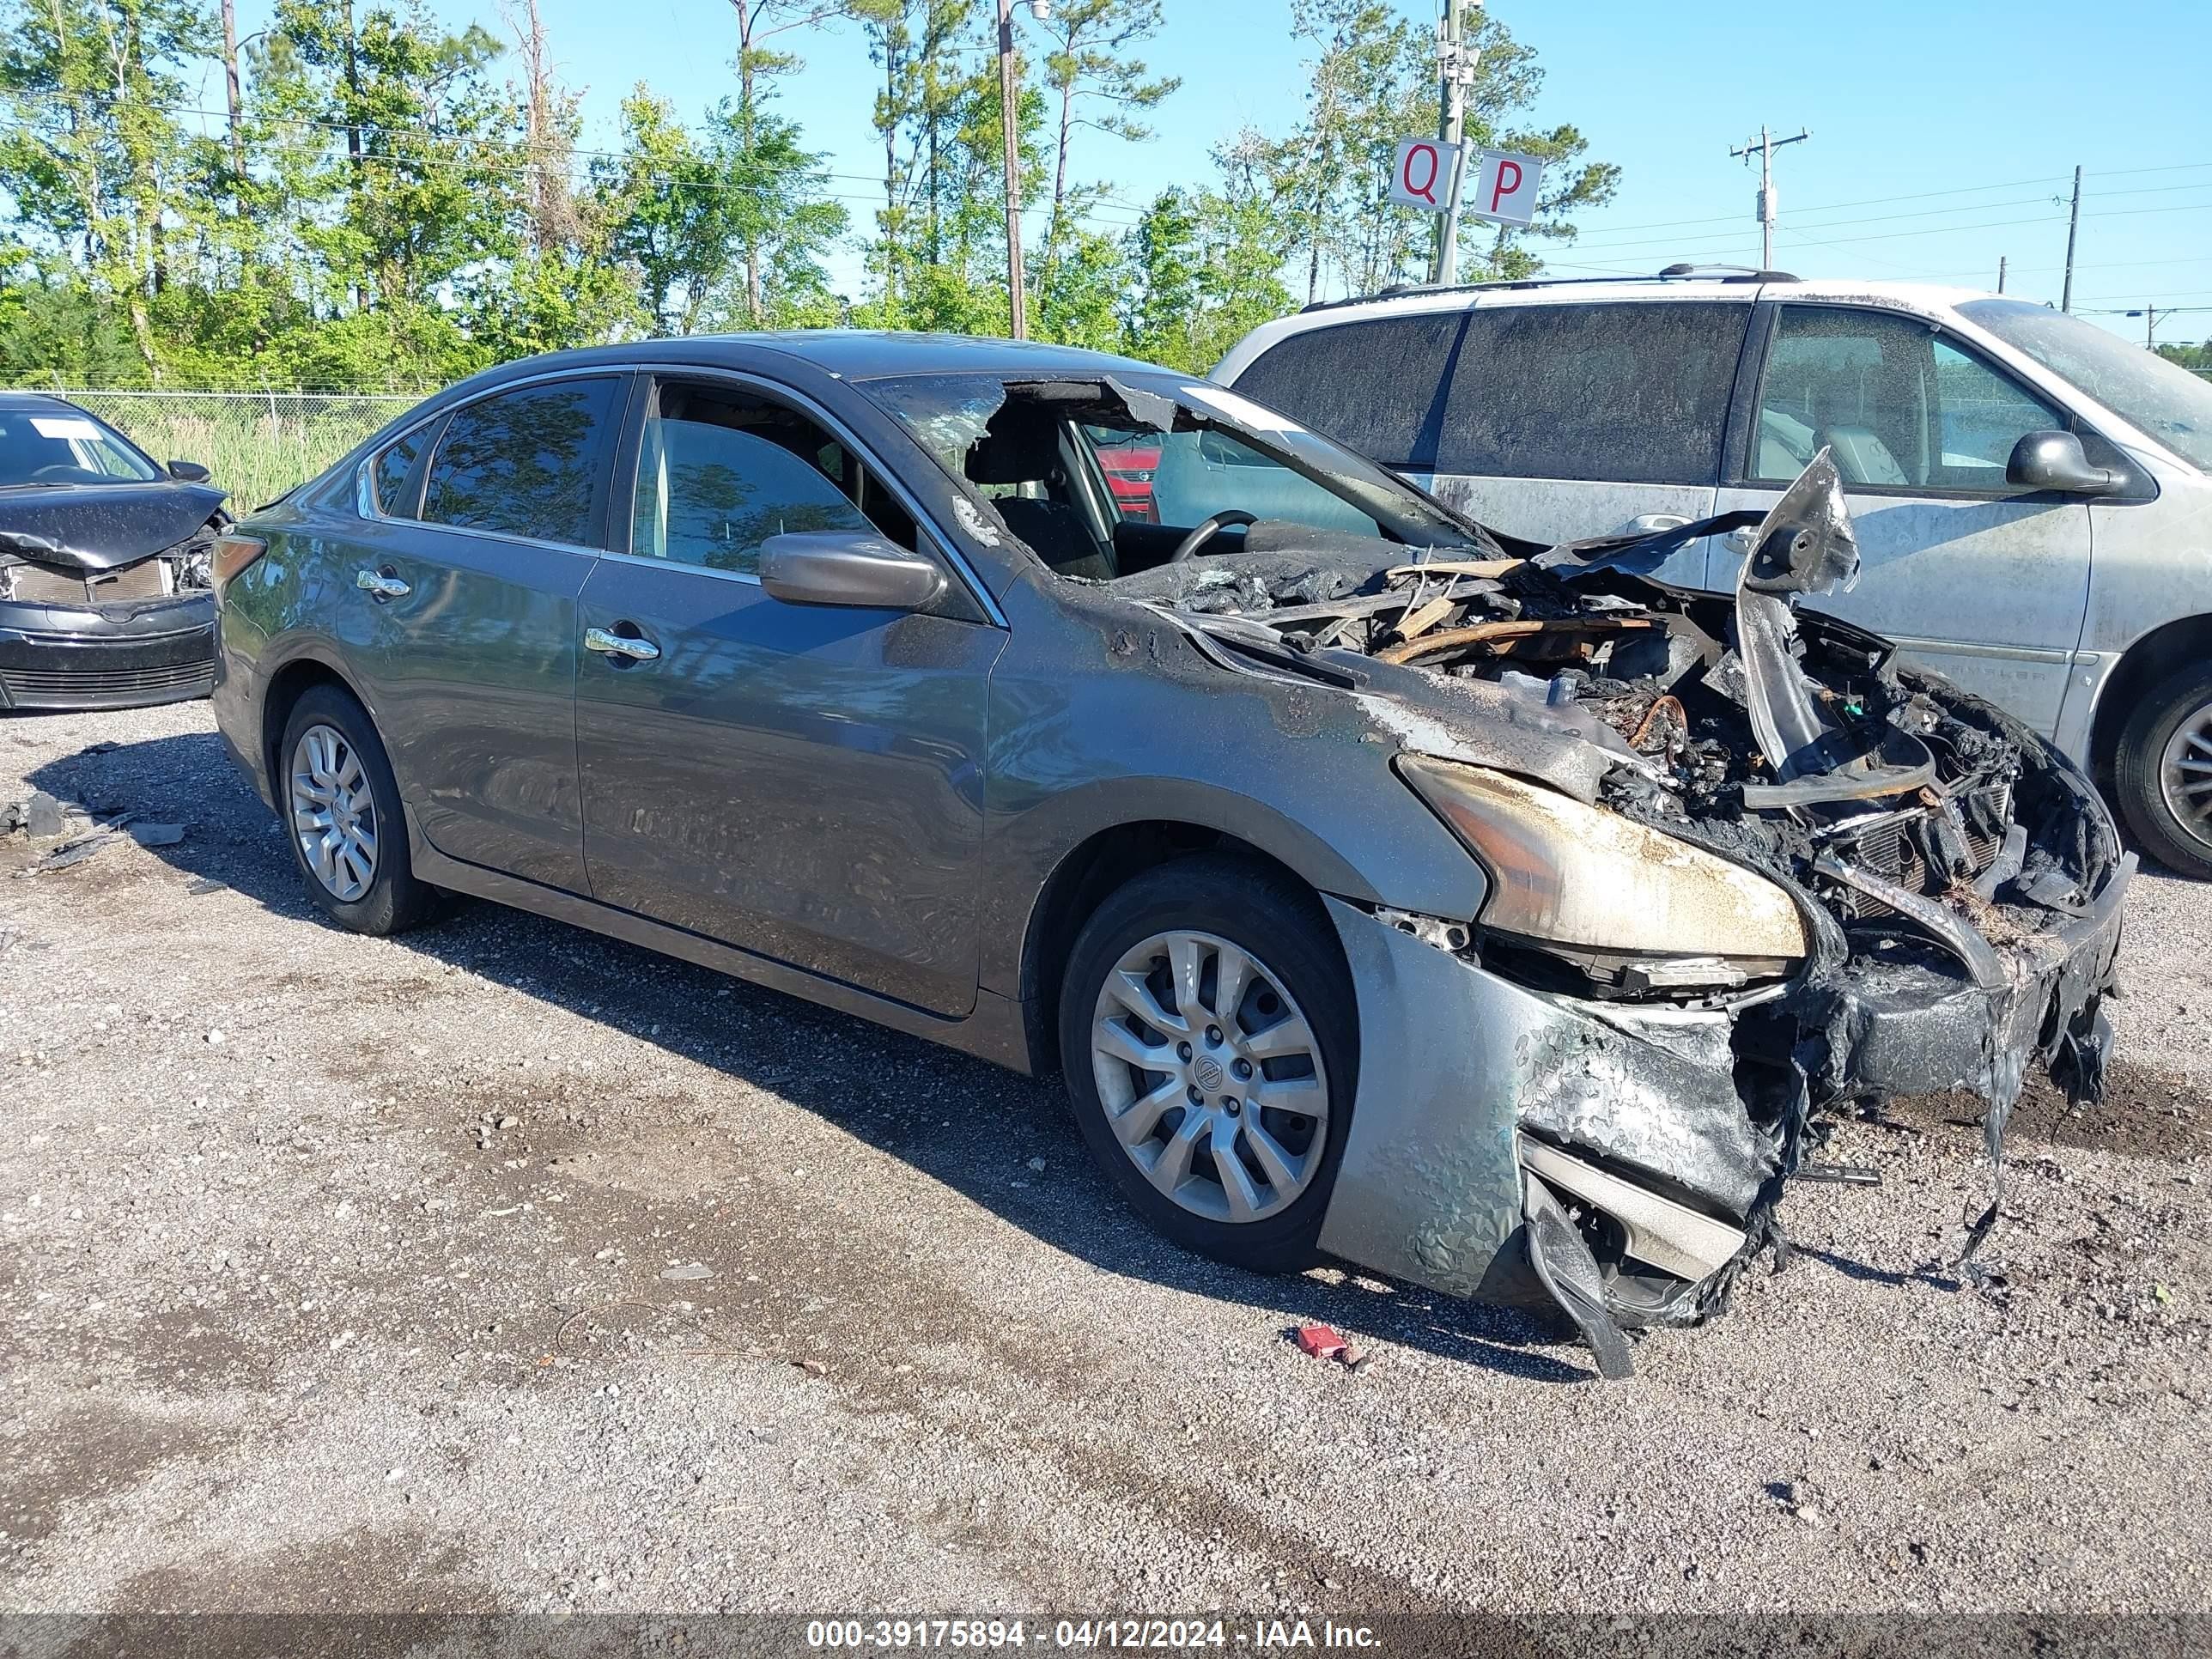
(1889, 218)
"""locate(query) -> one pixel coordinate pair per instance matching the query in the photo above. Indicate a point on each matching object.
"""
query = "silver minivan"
(2032, 494)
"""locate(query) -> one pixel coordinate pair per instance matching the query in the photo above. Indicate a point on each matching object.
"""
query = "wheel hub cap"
(2186, 774)
(333, 813)
(1211, 1076)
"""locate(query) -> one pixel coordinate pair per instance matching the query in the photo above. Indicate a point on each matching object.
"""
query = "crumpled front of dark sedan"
(105, 597)
(1769, 875)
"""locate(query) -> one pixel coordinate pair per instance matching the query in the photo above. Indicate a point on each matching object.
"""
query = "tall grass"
(253, 446)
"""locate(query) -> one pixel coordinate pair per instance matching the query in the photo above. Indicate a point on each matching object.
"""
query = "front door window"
(1897, 406)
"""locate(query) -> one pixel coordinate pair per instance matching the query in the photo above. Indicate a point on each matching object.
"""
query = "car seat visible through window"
(1025, 452)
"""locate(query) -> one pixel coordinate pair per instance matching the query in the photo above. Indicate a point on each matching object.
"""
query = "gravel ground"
(337, 1274)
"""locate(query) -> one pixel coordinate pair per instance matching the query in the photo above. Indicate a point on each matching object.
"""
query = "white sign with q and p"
(1505, 188)
(1422, 176)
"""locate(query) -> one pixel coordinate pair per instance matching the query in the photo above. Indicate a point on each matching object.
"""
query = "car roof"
(37, 400)
(846, 353)
(1598, 290)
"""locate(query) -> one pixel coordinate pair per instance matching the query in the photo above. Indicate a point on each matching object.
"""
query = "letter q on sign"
(1422, 175)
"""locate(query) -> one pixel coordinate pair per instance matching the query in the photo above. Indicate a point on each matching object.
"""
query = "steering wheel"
(59, 470)
(1198, 538)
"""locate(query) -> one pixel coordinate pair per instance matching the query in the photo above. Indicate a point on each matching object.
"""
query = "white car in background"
(2033, 496)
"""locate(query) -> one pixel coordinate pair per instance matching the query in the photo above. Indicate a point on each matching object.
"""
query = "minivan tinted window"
(1630, 392)
(1375, 385)
(527, 462)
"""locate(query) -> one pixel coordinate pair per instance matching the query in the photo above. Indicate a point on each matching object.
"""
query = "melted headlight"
(1596, 883)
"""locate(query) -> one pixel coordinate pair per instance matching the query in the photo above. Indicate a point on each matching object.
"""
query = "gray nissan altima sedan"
(1485, 914)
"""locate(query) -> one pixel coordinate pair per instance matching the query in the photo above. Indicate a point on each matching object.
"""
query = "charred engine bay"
(1958, 880)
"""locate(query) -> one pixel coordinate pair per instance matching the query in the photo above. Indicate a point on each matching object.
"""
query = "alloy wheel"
(1211, 1076)
(333, 813)
(2185, 774)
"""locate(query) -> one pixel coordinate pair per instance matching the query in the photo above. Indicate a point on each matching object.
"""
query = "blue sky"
(1942, 133)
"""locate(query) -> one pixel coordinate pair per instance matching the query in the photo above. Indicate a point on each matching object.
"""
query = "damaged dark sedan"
(104, 598)
(1485, 914)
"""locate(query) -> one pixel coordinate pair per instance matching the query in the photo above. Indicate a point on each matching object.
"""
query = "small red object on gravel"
(1320, 1342)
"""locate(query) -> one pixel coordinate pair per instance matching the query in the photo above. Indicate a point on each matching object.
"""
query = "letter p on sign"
(1506, 188)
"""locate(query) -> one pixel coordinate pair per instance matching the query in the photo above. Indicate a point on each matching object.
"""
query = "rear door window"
(1627, 393)
(1376, 386)
(531, 462)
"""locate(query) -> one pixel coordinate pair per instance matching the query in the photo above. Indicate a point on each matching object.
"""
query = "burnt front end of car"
(100, 610)
(1762, 876)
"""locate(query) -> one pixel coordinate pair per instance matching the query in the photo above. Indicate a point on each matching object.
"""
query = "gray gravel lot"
(333, 1274)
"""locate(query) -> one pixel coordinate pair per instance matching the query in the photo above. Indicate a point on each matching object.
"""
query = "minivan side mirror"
(2054, 460)
(190, 472)
(838, 567)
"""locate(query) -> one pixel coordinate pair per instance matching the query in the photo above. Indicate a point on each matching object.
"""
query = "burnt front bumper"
(1672, 1121)
(124, 655)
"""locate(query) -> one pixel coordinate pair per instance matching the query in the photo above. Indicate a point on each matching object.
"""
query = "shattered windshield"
(66, 447)
(1134, 455)
(2163, 398)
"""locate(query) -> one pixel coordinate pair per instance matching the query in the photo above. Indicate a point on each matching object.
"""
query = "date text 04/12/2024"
(1165, 1635)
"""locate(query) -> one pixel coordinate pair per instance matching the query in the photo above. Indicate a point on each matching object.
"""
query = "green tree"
(92, 151)
(727, 229)
(434, 153)
(1204, 270)
(671, 219)
(1508, 79)
(1094, 83)
(782, 178)
(1372, 83)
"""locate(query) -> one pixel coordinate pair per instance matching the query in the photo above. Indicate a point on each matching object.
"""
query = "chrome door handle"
(619, 645)
(1646, 524)
(1741, 543)
(383, 586)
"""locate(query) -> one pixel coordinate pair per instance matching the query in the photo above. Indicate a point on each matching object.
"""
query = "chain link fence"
(256, 445)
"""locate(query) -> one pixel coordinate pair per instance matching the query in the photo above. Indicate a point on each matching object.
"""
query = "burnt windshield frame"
(1403, 510)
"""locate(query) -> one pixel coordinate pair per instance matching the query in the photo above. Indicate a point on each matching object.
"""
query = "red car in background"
(1128, 468)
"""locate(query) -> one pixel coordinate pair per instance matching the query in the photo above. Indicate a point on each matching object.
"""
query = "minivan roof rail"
(1402, 290)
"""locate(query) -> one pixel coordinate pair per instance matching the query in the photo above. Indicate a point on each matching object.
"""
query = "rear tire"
(341, 817)
(2162, 771)
(1163, 1095)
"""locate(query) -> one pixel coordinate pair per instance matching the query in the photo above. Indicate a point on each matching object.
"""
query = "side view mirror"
(2054, 460)
(190, 472)
(837, 567)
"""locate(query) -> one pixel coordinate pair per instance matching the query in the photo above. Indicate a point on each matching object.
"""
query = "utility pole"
(1456, 66)
(2000, 269)
(230, 85)
(1768, 205)
(2151, 317)
(2073, 224)
(1010, 120)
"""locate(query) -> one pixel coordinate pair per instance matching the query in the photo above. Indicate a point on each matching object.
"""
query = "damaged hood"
(101, 527)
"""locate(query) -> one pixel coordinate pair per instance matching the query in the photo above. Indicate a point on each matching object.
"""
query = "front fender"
(1135, 725)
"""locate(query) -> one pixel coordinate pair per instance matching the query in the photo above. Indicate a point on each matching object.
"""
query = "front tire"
(2162, 771)
(1209, 1041)
(342, 818)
